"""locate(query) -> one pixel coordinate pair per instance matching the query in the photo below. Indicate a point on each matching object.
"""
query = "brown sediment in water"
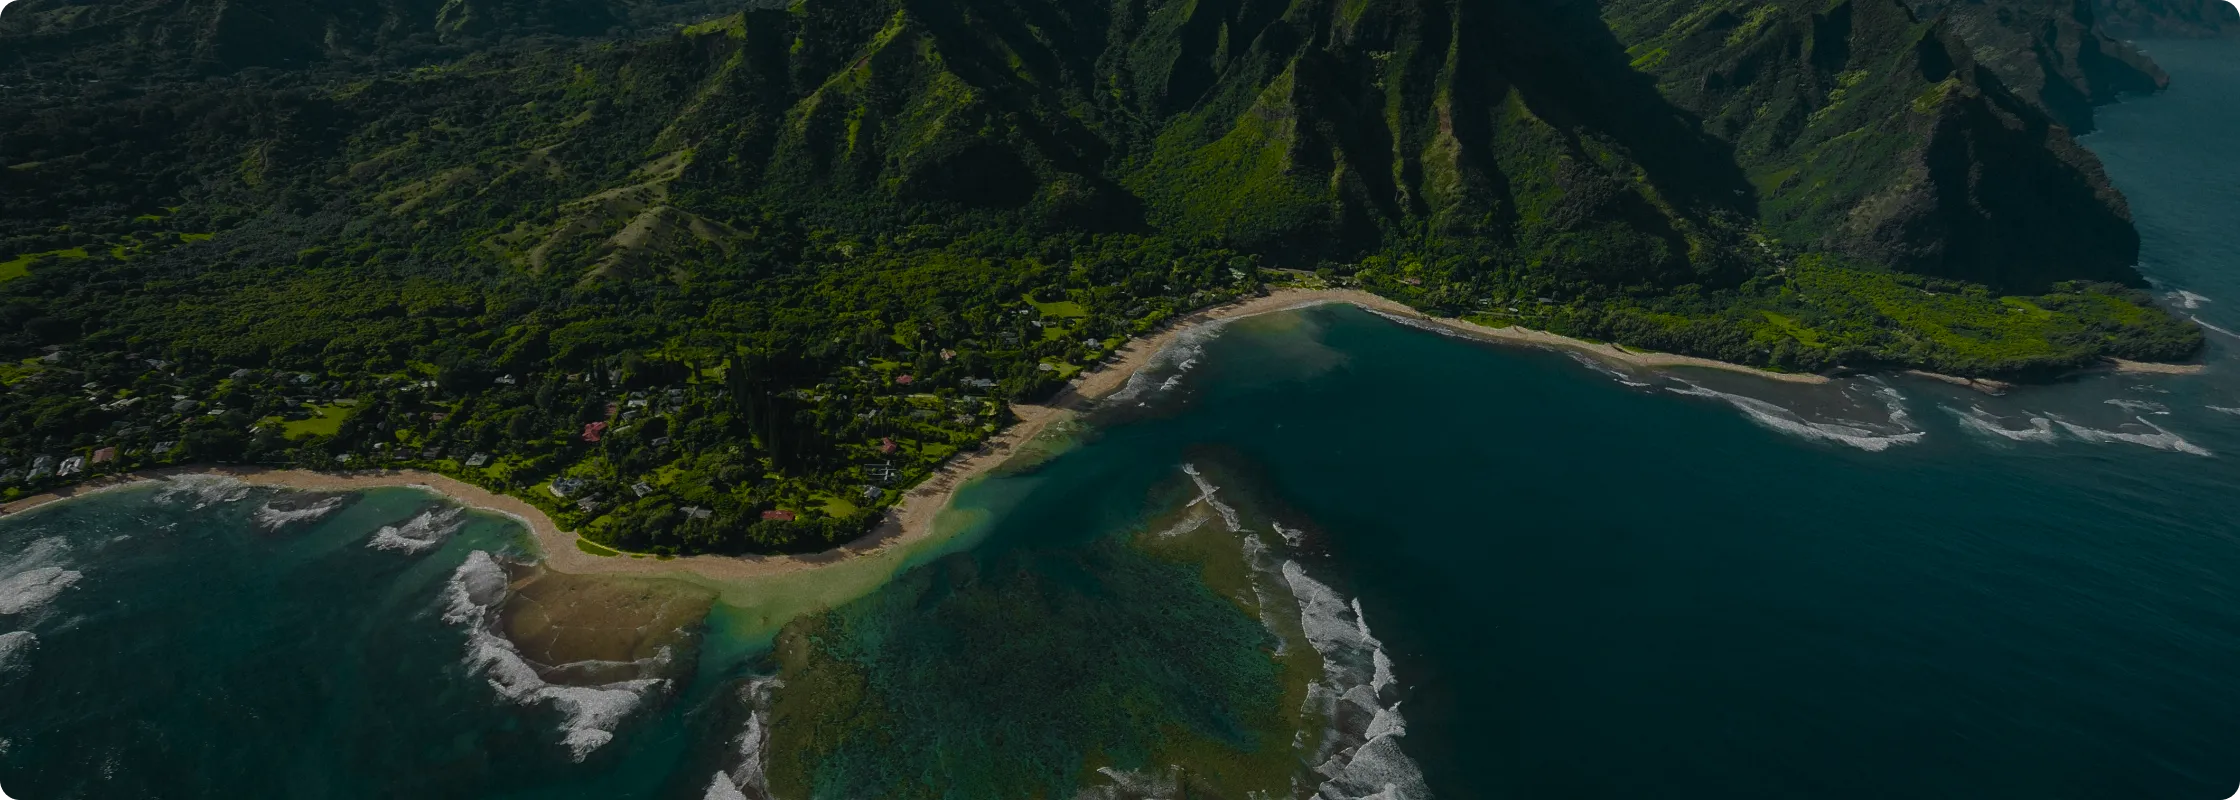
(590, 630)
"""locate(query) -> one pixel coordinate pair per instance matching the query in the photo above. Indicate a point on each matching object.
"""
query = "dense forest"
(728, 277)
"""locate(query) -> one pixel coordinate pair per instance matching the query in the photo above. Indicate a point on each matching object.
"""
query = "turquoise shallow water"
(1590, 583)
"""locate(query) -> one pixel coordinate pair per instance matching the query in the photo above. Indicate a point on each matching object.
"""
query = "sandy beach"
(2152, 368)
(1294, 298)
(1984, 385)
(913, 518)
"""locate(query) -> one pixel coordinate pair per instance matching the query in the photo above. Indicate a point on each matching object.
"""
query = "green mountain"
(1870, 130)
(817, 243)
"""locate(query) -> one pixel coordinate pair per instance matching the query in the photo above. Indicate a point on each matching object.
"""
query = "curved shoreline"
(911, 520)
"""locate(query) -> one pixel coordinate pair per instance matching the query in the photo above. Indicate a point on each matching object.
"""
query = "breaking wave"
(32, 589)
(1613, 373)
(1178, 357)
(720, 788)
(1985, 422)
(1360, 755)
(2138, 406)
(1265, 573)
(1206, 491)
(274, 517)
(35, 577)
(1142, 784)
(2223, 409)
(15, 652)
(1187, 525)
(589, 714)
(1417, 324)
(2198, 321)
(2186, 299)
(2161, 439)
(1256, 554)
(1856, 434)
(750, 780)
(203, 490)
(421, 533)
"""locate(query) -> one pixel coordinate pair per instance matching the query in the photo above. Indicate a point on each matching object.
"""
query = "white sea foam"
(1206, 491)
(2138, 406)
(1143, 784)
(1894, 403)
(658, 661)
(274, 518)
(32, 589)
(721, 788)
(750, 779)
(2186, 299)
(2198, 321)
(1187, 525)
(35, 576)
(2223, 409)
(1265, 572)
(1359, 756)
(1985, 422)
(1613, 373)
(39, 553)
(1179, 355)
(589, 714)
(421, 533)
(1421, 325)
(2161, 439)
(15, 651)
(1855, 434)
(1291, 536)
(202, 490)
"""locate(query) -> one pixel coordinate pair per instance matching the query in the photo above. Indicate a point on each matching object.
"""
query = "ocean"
(1320, 552)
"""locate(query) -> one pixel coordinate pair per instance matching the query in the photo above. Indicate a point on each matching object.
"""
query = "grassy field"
(594, 548)
(832, 505)
(1062, 308)
(326, 420)
(20, 266)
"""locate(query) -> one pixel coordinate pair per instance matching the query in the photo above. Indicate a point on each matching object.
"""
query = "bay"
(1589, 582)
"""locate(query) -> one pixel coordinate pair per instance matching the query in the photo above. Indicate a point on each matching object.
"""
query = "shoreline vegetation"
(912, 520)
(563, 286)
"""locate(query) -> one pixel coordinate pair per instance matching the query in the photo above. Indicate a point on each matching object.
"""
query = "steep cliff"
(1871, 131)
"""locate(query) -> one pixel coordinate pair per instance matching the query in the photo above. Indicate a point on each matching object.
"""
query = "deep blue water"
(1597, 583)
(1591, 584)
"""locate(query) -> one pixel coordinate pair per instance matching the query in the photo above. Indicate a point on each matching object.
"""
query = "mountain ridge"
(820, 246)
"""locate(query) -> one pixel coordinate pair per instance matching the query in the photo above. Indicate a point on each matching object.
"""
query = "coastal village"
(639, 453)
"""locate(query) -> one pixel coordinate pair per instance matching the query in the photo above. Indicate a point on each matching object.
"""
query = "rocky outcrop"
(2049, 52)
